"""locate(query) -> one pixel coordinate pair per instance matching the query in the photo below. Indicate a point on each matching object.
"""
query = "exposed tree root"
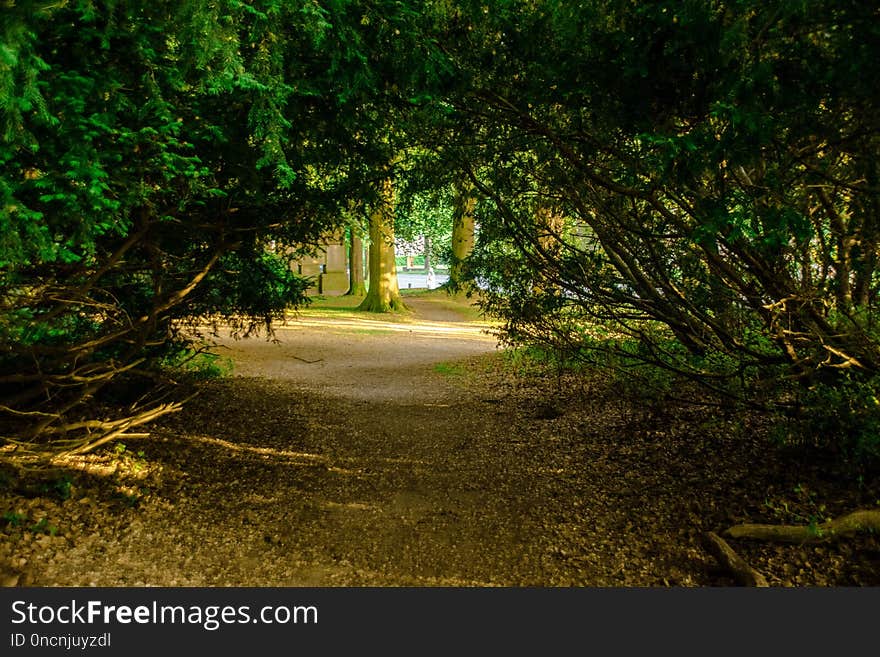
(375, 304)
(742, 572)
(865, 520)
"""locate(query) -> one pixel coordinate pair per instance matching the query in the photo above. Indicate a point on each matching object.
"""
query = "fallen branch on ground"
(865, 520)
(91, 434)
(742, 572)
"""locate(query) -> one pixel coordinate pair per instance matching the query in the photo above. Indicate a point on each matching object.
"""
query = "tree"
(356, 284)
(384, 293)
(149, 154)
(462, 233)
(715, 163)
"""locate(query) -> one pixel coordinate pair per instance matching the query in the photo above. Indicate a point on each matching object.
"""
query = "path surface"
(374, 452)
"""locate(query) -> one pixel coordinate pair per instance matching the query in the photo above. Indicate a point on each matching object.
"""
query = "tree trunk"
(384, 294)
(365, 257)
(548, 224)
(356, 285)
(462, 234)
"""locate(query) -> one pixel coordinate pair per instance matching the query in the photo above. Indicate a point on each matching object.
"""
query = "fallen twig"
(317, 360)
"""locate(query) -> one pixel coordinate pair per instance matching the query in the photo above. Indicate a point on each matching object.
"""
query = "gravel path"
(373, 452)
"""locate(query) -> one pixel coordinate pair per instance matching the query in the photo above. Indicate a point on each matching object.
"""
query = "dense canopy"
(675, 189)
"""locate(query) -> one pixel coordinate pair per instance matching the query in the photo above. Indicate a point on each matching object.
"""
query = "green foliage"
(199, 364)
(842, 417)
(634, 368)
(13, 518)
(802, 507)
(134, 461)
(535, 361)
(149, 155)
(258, 285)
(17, 520)
(672, 190)
(701, 167)
(421, 213)
(450, 369)
(42, 526)
(61, 487)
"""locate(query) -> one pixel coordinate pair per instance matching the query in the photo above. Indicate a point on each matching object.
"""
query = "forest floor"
(362, 450)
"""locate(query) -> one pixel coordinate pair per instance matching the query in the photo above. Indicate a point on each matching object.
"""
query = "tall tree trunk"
(365, 256)
(549, 223)
(356, 285)
(384, 293)
(462, 234)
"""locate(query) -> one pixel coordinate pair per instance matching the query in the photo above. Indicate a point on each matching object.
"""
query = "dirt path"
(389, 452)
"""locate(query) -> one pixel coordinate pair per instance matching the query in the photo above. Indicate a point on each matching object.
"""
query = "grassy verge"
(345, 307)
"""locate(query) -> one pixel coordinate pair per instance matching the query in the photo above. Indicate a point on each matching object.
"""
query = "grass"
(345, 307)
(368, 331)
(460, 303)
(341, 303)
(450, 369)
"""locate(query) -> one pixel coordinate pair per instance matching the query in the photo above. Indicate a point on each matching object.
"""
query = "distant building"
(328, 268)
